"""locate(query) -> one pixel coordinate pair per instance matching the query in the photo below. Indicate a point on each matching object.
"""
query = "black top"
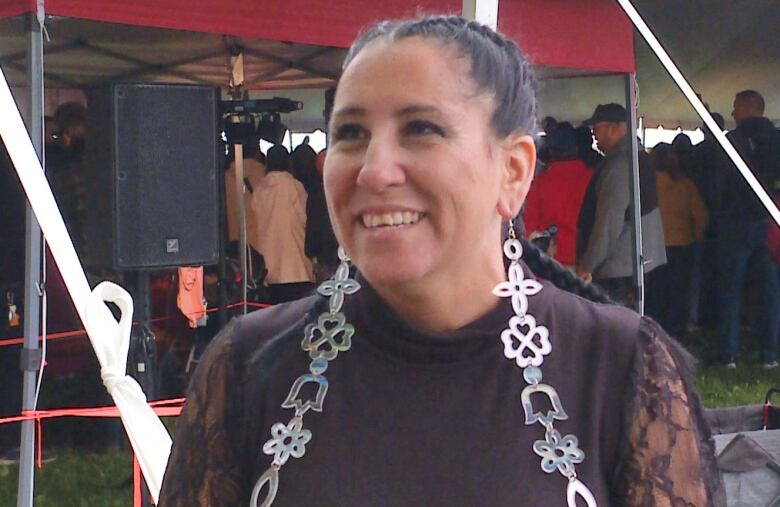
(415, 419)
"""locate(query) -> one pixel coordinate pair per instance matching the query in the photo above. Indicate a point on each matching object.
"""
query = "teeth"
(389, 219)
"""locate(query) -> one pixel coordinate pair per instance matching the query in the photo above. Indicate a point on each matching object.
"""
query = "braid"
(548, 268)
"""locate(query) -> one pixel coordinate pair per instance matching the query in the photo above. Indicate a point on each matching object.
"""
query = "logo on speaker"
(172, 245)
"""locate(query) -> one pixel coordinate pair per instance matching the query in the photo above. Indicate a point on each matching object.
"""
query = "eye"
(350, 132)
(422, 128)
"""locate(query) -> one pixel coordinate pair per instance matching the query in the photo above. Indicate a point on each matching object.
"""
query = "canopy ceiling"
(296, 43)
(722, 46)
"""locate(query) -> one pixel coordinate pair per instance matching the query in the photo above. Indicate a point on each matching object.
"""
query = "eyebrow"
(405, 111)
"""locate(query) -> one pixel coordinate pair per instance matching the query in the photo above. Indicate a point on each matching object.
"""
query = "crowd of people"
(286, 218)
(707, 240)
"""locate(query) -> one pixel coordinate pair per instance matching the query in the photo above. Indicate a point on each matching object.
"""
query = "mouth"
(394, 219)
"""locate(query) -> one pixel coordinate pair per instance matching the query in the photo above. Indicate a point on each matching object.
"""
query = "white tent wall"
(574, 99)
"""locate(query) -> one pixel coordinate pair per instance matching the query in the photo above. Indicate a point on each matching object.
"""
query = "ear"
(519, 165)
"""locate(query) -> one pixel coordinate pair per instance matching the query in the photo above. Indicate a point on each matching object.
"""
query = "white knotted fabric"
(110, 339)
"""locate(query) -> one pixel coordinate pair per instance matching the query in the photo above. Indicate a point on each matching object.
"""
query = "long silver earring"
(527, 344)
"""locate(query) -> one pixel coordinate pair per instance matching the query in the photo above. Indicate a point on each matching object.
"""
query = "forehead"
(412, 69)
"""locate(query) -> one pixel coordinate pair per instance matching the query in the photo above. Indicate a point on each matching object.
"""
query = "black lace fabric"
(669, 453)
(204, 468)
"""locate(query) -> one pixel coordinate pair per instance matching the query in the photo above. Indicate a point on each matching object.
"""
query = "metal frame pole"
(31, 355)
(238, 150)
(634, 192)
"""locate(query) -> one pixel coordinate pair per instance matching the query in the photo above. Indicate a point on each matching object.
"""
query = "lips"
(391, 219)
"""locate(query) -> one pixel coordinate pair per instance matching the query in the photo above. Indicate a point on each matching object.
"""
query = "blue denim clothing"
(741, 244)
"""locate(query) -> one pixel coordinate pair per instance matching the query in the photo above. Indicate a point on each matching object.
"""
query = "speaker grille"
(163, 147)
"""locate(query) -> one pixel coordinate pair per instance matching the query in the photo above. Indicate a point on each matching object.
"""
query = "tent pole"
(634, 192)
(238, 150)
(482, 11)
(31, 354)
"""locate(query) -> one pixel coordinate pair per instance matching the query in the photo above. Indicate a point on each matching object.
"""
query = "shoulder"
(615, 165)
(257, 329)
(249, 337)
(608, 330)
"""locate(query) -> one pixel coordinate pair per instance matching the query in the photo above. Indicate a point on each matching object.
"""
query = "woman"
(684, 217)
(432, 149)
(279, 205)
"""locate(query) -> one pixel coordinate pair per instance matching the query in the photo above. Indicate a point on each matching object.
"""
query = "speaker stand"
(143, 316)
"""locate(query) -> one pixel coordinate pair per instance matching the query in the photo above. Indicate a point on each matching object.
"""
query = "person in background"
(585, 150)
(279, 202)
(556, 195)
(608, 255)
(709, 157)
(254, 171)
(742, 229)
(685, 219)
(549, 124)
(304, 166)
(64, 170)
(321, 243)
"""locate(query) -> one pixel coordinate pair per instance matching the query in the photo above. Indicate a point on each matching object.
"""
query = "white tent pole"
(483, 11)
(698, 105)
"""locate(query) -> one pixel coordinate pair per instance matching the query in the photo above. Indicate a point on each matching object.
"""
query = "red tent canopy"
(592, 35)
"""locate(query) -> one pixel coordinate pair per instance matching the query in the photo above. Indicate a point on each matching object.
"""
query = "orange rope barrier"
(82, 332)
(171, 407)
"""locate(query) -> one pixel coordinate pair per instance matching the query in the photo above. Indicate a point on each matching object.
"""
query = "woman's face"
(416, 181)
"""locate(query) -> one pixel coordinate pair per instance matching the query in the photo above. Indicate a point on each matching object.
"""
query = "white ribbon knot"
(111, 341)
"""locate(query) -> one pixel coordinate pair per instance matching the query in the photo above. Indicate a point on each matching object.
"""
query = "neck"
(443, 307)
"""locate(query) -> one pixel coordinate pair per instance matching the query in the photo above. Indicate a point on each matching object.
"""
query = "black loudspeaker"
(150, 168)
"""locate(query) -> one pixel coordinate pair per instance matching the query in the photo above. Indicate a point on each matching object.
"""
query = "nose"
(382, 167)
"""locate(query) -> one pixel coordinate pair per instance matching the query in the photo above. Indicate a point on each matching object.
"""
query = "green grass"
(747, 385)
(721, 387)
(76, 479)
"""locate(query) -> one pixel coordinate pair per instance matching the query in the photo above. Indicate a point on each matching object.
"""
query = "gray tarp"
(746, 455)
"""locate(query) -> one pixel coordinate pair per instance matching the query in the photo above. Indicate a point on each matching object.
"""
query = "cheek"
(338, 181)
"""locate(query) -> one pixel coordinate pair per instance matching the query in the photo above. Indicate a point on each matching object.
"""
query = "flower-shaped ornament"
(559, 452)
(337, 286)
(287, 440)
(518, 288)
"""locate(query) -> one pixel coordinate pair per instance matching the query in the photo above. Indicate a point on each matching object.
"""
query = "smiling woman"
(444, 370)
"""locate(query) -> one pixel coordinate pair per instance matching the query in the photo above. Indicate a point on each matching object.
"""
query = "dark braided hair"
(548, 268)
(499, 68)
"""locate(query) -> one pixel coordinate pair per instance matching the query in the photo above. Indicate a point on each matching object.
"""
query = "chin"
(392, 271)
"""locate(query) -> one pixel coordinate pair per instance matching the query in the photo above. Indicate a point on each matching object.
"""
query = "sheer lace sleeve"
(668, 453)
(204, 467)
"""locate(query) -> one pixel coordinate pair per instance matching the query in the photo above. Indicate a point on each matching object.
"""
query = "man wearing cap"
(605, 222)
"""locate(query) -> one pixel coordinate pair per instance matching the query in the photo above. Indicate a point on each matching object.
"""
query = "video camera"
(246, 120)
